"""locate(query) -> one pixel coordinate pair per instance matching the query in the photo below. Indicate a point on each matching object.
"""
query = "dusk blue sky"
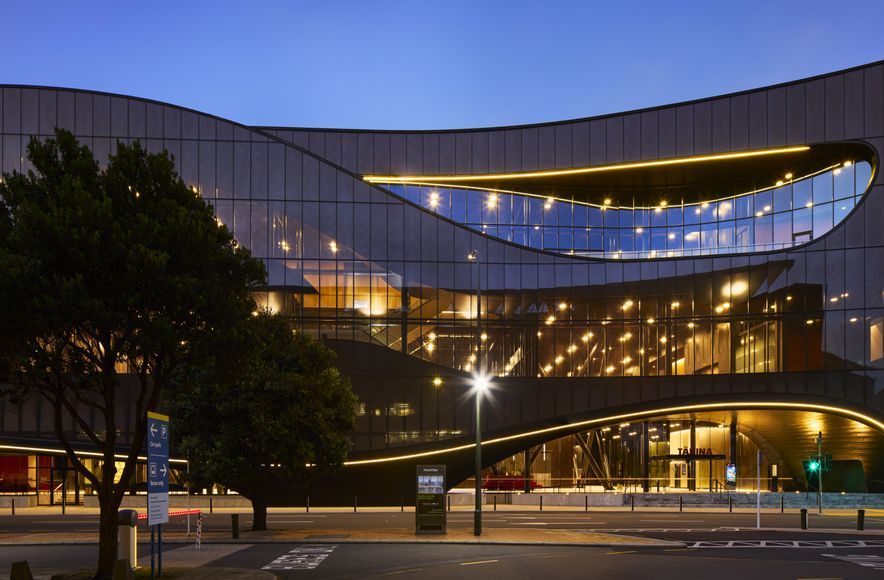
(424, 65)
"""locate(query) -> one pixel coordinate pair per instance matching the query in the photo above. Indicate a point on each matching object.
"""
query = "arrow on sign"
(163, 469)
(153, 429)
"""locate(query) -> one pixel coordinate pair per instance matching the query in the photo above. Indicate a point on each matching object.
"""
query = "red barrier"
(176, 513)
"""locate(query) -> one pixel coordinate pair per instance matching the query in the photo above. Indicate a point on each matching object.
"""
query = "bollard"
(632, 501)
(234, 526)
(782, 505)
(449, 502)
(586, 503)
(308, 504)
(730, 504)
(211, 507)
(127, 537)
(401, 504)
(354, 504)
(495, 503)
(21, 571)
(860, 519)
(680, 506)
(13, 506)
(803, 518)
(541, 503)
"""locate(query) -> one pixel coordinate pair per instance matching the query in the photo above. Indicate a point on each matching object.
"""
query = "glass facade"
(782, 281)
(789, 212)
(622, 458)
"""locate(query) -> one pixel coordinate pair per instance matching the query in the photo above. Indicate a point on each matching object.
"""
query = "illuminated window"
(876, 340)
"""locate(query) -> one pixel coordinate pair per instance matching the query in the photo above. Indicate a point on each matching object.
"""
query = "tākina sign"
(695, 451)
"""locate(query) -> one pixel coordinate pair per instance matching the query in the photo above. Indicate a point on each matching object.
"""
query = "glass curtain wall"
(789, 212)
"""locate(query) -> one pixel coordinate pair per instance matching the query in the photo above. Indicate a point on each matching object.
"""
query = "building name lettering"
(695, 451)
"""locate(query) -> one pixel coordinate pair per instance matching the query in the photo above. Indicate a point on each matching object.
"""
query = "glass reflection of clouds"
(789, 212)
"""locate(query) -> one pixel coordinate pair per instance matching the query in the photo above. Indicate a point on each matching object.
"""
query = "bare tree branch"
(62, 438)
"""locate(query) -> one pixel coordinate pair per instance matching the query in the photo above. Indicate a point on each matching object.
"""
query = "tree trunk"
(107, 537)
(259, 515)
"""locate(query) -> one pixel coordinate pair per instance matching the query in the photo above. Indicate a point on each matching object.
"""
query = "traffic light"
(813, 466)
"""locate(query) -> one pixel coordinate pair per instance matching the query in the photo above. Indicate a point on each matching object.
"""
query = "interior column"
(692, 460)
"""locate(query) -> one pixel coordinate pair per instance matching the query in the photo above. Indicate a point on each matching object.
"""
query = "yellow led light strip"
(83, 453)
(624, 207)
(638, 414)
(582, 170)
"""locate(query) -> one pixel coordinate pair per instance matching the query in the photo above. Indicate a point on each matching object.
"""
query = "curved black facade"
(709, 260)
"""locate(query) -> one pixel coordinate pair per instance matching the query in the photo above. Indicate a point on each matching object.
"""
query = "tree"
(271, 404)
(106, 273)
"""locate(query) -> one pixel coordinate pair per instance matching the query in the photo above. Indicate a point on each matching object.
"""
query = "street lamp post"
(479, 386)
(477, 516)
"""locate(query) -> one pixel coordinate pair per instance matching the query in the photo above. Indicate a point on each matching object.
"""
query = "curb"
(651, 543)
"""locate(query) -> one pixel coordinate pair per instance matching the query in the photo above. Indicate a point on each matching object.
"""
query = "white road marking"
(788, 544)
(872, 561)
(478, 562)
(305, 557)
(530, 523)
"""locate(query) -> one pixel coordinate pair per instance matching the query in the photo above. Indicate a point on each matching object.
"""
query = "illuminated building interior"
(787, 211)
(690, 452)
(734, 322)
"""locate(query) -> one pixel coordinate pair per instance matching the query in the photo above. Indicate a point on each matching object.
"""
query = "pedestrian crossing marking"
(788, 544)
(306, 557)
(866, 560)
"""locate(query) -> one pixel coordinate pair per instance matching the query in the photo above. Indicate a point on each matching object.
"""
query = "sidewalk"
(182, 563)
(508, 536)
(487, 507)
(459, 535)
(398, 531)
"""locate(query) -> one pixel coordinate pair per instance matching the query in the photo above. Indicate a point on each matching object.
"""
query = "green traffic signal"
(814, 465)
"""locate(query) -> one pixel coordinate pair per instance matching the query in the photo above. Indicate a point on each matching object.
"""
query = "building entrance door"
(678, 474)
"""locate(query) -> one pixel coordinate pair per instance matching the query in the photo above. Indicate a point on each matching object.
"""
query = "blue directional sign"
(157, 468)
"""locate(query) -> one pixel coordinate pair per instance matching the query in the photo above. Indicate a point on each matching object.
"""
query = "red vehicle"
(507, 483)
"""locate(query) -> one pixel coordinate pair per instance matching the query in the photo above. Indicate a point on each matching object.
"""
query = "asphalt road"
(470, 561)
(717, 545)
(490, 561)
(632, 523)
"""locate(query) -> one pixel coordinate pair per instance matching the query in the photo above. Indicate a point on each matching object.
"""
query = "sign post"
(157, 481)
(429, 506)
